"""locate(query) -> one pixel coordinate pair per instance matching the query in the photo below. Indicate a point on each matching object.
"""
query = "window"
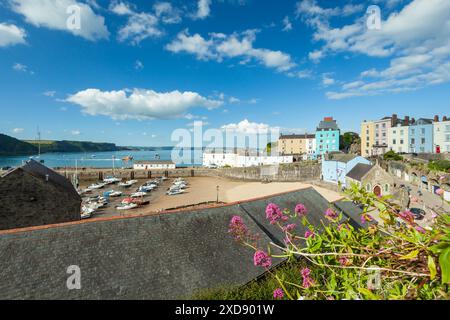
(384, 125)
(377, 126)
(413, 141)
(386, 188)
(368, 187)
(422, 140)
(367, 144)
(447, 138)
(401, 132)
(394, 141)
(367, 131)
(401, 141)
(447, 128)
(413, 131)
(423, 130)
(384, 134)
(394, 131)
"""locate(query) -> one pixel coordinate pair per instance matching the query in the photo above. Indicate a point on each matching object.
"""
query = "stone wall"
(26, 200)
(293, 172)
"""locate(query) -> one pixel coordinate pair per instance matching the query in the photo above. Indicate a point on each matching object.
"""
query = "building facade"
(336, 167)
(441, 135)
(399, 139)
(372, 178)
(420, 136)
(243, 159)
(33, 195)
(297, 144)
(367, 138)
(154, 165)
(327, 136)
(375, 135)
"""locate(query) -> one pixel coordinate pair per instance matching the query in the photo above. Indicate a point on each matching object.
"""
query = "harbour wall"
(291, 173)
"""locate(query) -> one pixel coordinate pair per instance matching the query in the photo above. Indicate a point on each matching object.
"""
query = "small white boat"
(128, 206)
(96, 186)
(111, 180)
(86, 212)
(138, 194)
(174, 192)
(132, 182)
(146, 188)
(125, 184)
(115, 194)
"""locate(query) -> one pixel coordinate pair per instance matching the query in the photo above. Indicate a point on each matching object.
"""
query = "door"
(377, 191)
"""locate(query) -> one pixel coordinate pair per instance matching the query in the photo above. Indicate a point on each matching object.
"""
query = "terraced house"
(298, 144)
(441, 135)
(327, 136)
(375, 135)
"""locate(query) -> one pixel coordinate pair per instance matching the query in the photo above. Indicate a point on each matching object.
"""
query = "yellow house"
(296, 144)
(367, 138)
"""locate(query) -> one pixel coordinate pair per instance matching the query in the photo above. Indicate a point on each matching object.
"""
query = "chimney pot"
(444, 118)
(436, 118)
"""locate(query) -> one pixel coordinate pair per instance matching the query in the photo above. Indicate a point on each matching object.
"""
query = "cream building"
(297, 144)
(367, 138)
(375, 135)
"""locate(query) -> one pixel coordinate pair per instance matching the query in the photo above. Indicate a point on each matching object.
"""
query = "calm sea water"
(101, 159)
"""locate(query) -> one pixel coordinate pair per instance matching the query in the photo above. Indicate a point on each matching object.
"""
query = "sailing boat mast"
(39, 142)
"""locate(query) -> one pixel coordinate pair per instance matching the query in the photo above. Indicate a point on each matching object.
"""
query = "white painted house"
(242, 159)
(154, 165)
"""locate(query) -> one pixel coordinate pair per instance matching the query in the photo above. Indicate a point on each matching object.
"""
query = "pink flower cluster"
(300, 210)
(331, 214)
(238, 228)
(274, 214)
(262, 259)
(407, 216)
(307, 280)
(309, 234)
(289, 227)
(278, 293)
(344, 261)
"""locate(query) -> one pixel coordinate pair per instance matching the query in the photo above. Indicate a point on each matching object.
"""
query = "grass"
(260, 289)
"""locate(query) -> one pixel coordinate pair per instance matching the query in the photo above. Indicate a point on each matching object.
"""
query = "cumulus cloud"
(247, 127)
(416, 39)
(11, 34)
(287, 25)
(143, 25)
(237, 45)
(139, 104)
(18, 130)
(75, 132)
(54, 15)
(203, 9)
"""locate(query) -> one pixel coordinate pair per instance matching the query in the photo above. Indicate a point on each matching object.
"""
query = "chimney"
(444, 118)
(436, 118)
(394, 120)
(406, 122)
(328, 119)
(413, 121)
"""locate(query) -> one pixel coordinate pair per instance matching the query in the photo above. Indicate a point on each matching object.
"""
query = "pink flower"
(343, 261)
(309, 234)
(262, 259)
(301, 210)
(307, 280)
(440, 191)
(278, 293)
(420, 229)
(331, 214)
(365, 218)
(274, 213)
(238, 229)
(407, 216)
(289, 227)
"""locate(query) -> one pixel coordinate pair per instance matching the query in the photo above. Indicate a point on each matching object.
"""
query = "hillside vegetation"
(10, 146)
(75, 146)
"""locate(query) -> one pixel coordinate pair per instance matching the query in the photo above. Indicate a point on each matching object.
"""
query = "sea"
(107, 159)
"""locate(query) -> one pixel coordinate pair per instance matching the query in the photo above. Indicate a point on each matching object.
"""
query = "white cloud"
(287, 25)
(139, 104)
(203, 9)
(327, 80)
(247, 127)
(138, 65)
(49, 93)
(20, 67)
(234, 100)
(75, 132)
(53, 15)
(416, 40)
(11, 35)
(18, 130)
(167, 13)
(237, 45)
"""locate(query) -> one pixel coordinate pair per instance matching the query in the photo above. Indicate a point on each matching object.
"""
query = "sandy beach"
(202, 190)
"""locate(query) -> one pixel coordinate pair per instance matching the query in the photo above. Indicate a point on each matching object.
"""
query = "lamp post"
(217, 188)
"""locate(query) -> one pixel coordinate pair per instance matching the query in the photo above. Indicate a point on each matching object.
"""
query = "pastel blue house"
(327, 136)
(421, 136)
(337, 166)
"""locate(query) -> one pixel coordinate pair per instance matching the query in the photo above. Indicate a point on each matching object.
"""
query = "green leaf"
(368, 294)
(432, 267)
(410, 256)
(444, 262)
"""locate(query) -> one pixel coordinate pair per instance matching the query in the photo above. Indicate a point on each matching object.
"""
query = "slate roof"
(166, 256)
(341, 157)
(41, 171)
(359, 171)
(297, 136)
(327, 125)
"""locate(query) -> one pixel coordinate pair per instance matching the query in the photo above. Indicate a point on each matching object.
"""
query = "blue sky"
(135, 71)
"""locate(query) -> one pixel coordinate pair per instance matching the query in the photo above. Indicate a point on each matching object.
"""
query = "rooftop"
(297, 136)
(359, 171)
